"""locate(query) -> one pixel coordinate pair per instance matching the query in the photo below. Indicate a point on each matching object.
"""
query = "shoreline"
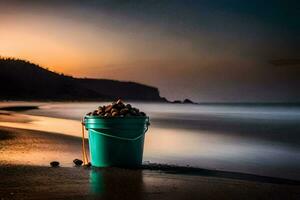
(152, 181)
(254, 146)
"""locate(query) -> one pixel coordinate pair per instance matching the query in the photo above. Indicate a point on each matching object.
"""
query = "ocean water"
(256, 139)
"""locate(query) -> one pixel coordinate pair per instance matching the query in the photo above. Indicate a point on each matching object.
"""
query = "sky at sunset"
(226, 50)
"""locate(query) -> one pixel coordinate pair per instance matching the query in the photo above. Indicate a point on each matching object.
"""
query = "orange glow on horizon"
(85, 50)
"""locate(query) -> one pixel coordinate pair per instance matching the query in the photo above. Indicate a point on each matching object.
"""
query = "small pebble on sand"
(77, 162)
(54, 164)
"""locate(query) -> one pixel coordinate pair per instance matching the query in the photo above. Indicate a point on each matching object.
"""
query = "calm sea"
(257, 139)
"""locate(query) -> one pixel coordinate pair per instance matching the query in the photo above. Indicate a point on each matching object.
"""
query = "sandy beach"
(22, 178)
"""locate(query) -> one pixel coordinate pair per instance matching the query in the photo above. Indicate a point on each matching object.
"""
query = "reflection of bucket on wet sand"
(96, 182)
(116, 141)
(116, 183)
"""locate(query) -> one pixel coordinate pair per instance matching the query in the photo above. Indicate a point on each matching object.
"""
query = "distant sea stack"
(186, 101)
(22, 80)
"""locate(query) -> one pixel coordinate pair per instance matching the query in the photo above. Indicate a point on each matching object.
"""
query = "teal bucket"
(116, 141)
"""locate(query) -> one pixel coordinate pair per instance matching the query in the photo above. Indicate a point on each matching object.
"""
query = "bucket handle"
(123, 138)
(84, 155)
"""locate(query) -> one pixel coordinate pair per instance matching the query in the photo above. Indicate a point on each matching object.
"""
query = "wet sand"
(25, 174)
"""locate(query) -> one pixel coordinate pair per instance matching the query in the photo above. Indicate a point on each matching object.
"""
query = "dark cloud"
(286, 62)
